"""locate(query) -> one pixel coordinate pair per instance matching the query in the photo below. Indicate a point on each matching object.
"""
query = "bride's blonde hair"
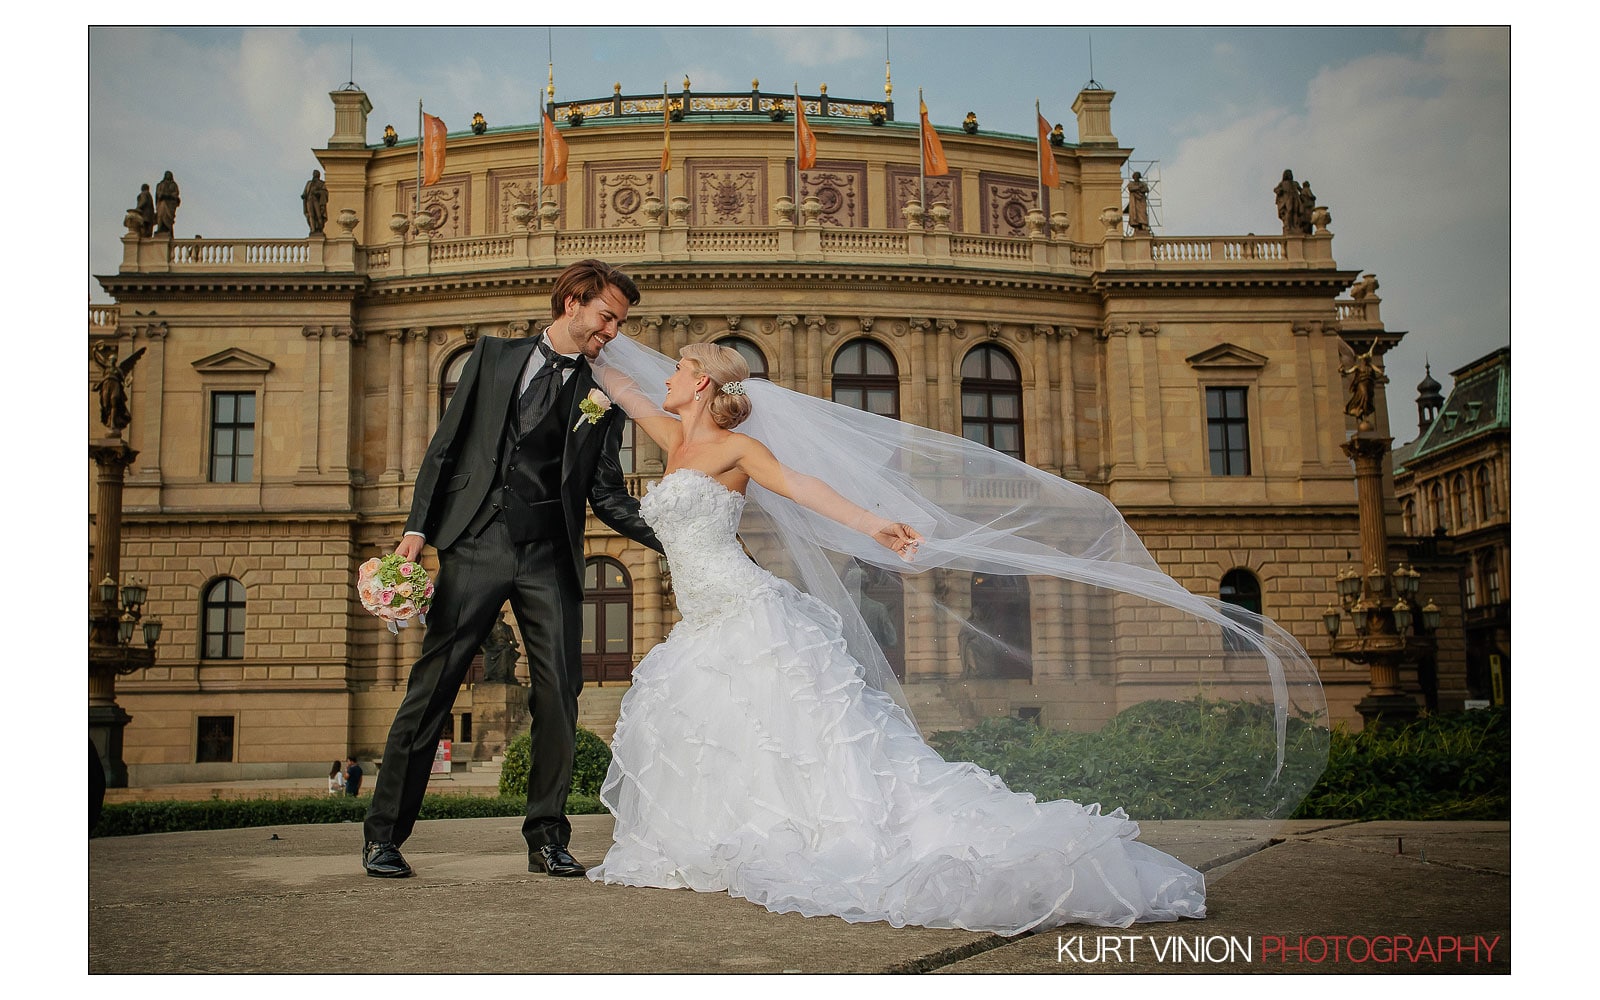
(721, 365)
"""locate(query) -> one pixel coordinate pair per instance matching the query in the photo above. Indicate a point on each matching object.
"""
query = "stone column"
(816, 327)
(680, 335)
(395, 433)
(788, 365)
(1154, 451)
(1068, 428)
(345, 431)
(949, 398)
(915, 405)
(650, 332)
(1311, 439)
(311, 403)
(1043, 435)
(151, 385)
(1118, 408)
(416, 409)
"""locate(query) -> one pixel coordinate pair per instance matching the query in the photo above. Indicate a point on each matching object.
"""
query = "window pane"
(1219, 463)
(615, 579)
(972, 365)
(1005, 439)
(616, 628)
(222, 469)
(1005, 406)
(975, 432)
(879, 362)
(1236, 437)
(591, 576)
(848, 361)
(234, 591)
(1001, 367)
(588, 628)
(848, 397)
(247, 408)
(974, 405)
(222, 441)
(236, 647)
(881, 401)
(246, 441)
(222, 407)
(243, 470)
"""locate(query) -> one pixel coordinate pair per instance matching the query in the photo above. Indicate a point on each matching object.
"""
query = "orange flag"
(933, 162)
(805, 139)
(1049, 174)
(555, 153)
(432, 149)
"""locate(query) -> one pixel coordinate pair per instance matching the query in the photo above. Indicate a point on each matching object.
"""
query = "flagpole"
(666, 152)
(797, 153)
(922, 156)
(417, 207)
(1040, 154)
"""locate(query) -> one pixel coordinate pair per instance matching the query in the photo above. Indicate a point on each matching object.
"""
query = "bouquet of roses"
(395, 590)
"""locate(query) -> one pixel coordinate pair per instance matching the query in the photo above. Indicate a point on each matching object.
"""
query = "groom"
(501, 496)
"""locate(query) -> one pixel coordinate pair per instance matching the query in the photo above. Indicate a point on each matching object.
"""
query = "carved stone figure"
(1366, 285)
(1365, 377)
(1058, 135)
(314, 202)
(500, 654)
(113, 385)
(1287, 194)
(1138, 205)
(146, 207)
(167, 202)
(1308, 202)
(969, 124)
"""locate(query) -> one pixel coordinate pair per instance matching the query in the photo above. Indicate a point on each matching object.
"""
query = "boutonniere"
(594, 406)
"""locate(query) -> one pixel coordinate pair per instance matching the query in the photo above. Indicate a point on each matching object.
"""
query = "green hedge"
(126, 818)
(1439, 767)
(590, 759)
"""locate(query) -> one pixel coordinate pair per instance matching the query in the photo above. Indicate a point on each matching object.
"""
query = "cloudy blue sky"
(1403, 132)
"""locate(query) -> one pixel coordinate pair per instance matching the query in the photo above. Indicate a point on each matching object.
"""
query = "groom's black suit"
(501, 495)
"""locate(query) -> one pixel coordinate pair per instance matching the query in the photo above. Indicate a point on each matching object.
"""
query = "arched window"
(1408, 517)
(991, 400)
(1436, 505)
(222, 620)
(1000, 641)
(607, 621)
(880, 597)
(1485, 494)
(451, 378)
(866, 377)
(1460, 501)
(1240, 589)
(750, 352)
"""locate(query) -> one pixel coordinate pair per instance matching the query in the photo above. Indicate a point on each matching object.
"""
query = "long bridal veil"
(1031, 598)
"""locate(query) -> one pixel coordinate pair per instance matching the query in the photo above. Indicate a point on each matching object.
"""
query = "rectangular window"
(1492, 581)
(214, 740)
(1227, 431)
(1472, 586)
(233, 437)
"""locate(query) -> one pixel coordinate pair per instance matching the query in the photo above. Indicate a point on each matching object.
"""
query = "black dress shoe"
(554, 859)
(384, 861)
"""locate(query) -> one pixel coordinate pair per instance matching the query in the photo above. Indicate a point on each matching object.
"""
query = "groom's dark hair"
(586, 279)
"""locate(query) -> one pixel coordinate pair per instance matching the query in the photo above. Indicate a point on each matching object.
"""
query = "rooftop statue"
(314, 202)
(167, 202)
(113, 386)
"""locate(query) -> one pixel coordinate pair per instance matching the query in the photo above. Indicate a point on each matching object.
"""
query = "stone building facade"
(1453, 484)
(290, 388)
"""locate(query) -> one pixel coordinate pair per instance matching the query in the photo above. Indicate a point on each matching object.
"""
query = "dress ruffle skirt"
(750, 758)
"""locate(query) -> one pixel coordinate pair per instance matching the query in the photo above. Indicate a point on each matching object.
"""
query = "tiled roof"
(1479, 404)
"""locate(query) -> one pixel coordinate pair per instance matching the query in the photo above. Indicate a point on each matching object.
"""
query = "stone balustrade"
(537, 247)
(103, 317)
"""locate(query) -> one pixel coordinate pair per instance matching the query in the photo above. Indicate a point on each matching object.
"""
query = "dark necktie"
(542, 388)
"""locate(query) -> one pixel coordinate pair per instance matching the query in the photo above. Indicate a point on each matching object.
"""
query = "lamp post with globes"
(1387, 628)
(121, 638)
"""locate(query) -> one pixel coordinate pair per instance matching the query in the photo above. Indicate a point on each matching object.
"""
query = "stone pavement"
(1307, 896)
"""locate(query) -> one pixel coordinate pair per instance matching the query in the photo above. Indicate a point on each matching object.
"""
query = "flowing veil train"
(1222, 706)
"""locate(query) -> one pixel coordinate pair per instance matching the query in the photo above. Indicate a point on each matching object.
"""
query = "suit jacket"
(459, 468)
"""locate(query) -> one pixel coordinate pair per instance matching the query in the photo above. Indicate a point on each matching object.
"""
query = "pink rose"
(406, 569)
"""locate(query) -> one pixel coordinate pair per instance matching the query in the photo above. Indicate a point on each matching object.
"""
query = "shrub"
(1154, 759)
(590, 760)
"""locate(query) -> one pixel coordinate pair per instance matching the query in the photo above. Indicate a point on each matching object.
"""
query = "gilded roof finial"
(888, 87)
(550, 88)
(823, 88)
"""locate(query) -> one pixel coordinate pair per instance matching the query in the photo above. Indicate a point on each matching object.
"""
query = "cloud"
(1417, 181)
(817, 46)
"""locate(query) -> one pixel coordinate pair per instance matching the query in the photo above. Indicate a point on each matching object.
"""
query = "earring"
(697, 397)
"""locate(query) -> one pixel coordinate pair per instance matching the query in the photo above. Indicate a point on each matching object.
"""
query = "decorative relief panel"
(615, 193)
(728, 192)
(506, 188)
(1006, 200)
(903, 189)
(449, 202)
(841, 188)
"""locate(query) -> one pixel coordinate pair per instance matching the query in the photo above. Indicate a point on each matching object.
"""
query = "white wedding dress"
(750, 758)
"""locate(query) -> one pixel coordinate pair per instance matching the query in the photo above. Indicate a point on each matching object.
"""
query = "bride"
(760, 750)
